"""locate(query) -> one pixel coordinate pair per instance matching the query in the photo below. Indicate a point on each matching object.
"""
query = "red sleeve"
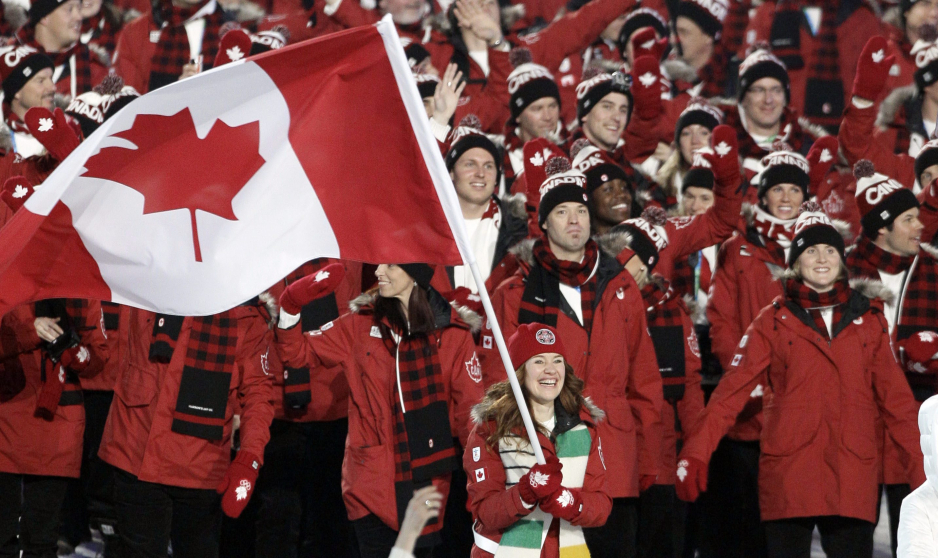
(18, 335)
(256, 391)
(644, 391)
(928, 212)
(329, 346)
(641, 137)
(692, 404)
(747, 369)
(723, 309)
(464, 390)
(492, 505)
(350, 14)
(93, 337)
(856, 131)
(573, 32)
(131, 58)
(897, 406)
(597, 504)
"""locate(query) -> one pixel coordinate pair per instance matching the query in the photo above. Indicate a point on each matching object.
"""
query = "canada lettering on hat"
(525, 73)
(594, 160)
(651, 232)
(785, 158)
(810, 220)
(560, 179)
(717, 8)
(758, 57)
(877, 192)
(925, 53)
(584, 86)
(13, 55)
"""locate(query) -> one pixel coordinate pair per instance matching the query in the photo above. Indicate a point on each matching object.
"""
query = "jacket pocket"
(619, 415)
(859, 430)
(137, 386)
(788, 429)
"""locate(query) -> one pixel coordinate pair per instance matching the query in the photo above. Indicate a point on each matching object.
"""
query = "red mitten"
(920, 351)
(53, 130)
(76, 358)
(691, 478)
(646, 43)
(646, 87)
(646, 481)
(540, 481)
(238, 484)
(872, 69)
(536, 154)
(303, 291)
(16, 190)
(564, 503)
(51, 392)
(722, 158)
(462, 296)
(821, 158)
(235, 45)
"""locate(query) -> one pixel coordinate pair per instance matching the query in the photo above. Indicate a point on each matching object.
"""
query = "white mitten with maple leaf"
(16, 190)
(235, 45)
(54, 131)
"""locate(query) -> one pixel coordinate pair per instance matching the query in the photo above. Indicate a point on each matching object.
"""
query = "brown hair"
(419, 312)
(503, 409)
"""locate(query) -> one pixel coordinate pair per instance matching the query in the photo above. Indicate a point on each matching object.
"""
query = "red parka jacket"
(354, 340)
(820, 453)
(617, 362)
(495, 508)
(30, 445)
(138, 436)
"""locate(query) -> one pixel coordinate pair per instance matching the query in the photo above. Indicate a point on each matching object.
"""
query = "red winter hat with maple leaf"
(18, 65)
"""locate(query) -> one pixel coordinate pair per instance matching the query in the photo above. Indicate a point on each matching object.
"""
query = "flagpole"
(447, 194)
(506, 361)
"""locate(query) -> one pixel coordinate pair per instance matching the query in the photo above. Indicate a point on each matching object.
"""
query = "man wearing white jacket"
(918, 519)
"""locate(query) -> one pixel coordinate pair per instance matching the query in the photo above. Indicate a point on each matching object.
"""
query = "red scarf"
(813, 302)
(82, 55)
(665, 313)
(540, 302)
(771, 230)
(172, 51)
(790, 132)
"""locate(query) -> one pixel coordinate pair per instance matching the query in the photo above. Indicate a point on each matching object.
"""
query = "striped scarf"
(172, 49)
(666, 325)
(813, 302)
(524, 538)
(540, 302)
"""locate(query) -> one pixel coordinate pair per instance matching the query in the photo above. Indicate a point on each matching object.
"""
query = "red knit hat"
(534, 339)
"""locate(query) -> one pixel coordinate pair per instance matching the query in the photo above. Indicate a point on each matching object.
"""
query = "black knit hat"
(39, 9)
(18, 65)
(761, 64)
(784, 167)
(813, 227)
(595, 86)
(596, 165)
(637, 19)
(467, 136)
(880, 199)
(701, 112)
(426, 84)
(925, 55)
(926, 157)
(421, 273)
(697, 177)
(709, 15)
(563, 184)
(646, 235)
(528, 82)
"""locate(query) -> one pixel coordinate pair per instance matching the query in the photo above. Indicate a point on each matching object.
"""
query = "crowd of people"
(706, 230)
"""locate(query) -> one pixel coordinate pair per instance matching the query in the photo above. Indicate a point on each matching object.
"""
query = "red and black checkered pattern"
(423, 440)
(661, 303)
(172, 51)
(813, 302)
(826, 65)
(540, 302)
(82, 55)
(748, 149)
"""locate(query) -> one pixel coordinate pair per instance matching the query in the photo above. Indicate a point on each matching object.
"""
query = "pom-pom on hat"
(783, 167)
(596, 165)
(593, 87)
(528, 82)
(646, 235)
(92, 108)
(698, 111)
(18, 65)
(814, 227)
(761, 64)
(467, 136)
(880, 199)
(708, 14)
(563, 184)
(533, 339)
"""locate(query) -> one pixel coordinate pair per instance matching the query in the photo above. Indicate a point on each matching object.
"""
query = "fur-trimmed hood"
(524, 250)
(748, 212)
(6, 140)
(472, 319)
(893, 103)
(515, 205)
(676, 69)
(614, 241)
(870, 288)
(482, 411)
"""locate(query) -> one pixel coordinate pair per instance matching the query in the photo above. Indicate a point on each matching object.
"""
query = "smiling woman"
(554, 500)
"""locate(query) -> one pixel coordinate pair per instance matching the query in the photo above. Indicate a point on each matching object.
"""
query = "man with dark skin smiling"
(608, 187)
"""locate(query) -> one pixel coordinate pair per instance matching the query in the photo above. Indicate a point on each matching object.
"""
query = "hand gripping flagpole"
(447, 194)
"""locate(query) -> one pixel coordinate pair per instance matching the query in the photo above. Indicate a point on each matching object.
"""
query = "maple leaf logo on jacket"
(539, 479)
(158, 167)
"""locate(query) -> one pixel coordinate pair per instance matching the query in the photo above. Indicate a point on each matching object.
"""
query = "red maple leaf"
(174, 169)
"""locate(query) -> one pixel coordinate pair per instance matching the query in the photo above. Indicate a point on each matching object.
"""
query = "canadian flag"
(200, 195)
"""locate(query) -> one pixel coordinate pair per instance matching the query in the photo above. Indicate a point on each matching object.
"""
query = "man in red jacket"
(53, 29)
(170, 427)
(27, 83)
(567, 282)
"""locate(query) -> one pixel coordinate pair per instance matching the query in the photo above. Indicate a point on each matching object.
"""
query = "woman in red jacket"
(516, 502)
(413, 376)
(822, 354)
(45, 350)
